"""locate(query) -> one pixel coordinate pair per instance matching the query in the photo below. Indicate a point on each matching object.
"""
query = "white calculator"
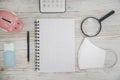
(52, 6)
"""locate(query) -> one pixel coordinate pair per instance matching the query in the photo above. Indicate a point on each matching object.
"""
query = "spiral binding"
(37, 46)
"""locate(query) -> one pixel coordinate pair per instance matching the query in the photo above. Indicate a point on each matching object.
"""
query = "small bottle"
(9, 55)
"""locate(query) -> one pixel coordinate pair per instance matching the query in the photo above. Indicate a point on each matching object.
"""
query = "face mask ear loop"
(116, 58)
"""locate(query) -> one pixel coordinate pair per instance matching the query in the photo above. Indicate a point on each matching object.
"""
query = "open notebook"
(54, 45)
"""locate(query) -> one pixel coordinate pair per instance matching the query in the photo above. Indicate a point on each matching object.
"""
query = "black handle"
(107, 15)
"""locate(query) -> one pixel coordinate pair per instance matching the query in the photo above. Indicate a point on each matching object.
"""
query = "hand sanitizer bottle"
(9, 54)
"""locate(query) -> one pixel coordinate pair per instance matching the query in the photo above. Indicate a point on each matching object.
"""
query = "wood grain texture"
(28, 11)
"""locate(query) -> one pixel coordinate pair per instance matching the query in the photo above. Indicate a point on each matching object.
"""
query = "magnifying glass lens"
(91, 27)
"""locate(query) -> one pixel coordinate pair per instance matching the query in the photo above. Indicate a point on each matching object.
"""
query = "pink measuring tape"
(10, 22)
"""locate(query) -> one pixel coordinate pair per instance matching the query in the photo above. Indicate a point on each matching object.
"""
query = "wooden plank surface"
(28, 11)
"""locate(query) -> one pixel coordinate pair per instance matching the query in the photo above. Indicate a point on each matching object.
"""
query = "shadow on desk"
(1, 73)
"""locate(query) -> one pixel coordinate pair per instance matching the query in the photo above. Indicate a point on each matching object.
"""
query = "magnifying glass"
(91, 26)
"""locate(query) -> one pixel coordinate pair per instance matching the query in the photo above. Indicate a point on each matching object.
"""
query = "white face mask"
(90, 56)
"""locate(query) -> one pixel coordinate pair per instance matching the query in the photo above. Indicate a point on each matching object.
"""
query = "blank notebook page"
(57, 50)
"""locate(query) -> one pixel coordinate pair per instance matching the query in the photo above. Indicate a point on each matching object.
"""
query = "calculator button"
(52, 5)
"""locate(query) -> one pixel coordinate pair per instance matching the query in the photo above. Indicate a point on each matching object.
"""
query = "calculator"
(52, 6)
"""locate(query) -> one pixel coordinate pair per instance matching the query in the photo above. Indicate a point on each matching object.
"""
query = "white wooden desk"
(28, 11)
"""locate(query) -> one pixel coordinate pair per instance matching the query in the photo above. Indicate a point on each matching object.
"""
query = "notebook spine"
(37, 46)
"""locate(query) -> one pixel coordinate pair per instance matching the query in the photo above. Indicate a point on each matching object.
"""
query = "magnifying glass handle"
(107, 15)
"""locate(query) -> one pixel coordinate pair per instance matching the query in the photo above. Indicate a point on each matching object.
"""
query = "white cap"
(8, 46)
